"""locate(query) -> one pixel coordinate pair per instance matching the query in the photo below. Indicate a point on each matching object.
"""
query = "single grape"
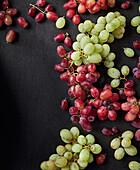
(91, 159)
(109, 17)
(11, 11)
(60, 23)
(1, 23)
(94, 58)
(61, 162)
(41, 3)
(70, 5)
(87, 25)
(84, 155)
(70, 13)
(59, 37)
(68, 147)
(136, 123)
(113, 73)
(105, 50)
(115, 143)
(107, 131)
(114, 130)
(5, 4)
(134, 165)
(129, 52)
(137, 135)
(52, 16)
(116, 22)
(138, 29)
(104, 35)
(125, 5)
(136, 44)
(115, 83)
(8, 20)
(22, 22)
(81, 140)
(75, 119)
(76, 19)
(90, 139)
(75, 132)
(106, 94)
(100, 159)
(10, 36)
(82, 164)
(31, 11)
(131, 151)
(61, 51)
(96, 148)
(135, 21)
(66, 134)
(49, 8)
(60, 150)
(68, 155)
(119, 153)
(126, 142)
(53, 157)
(2, 14)
(89, 48)
(64, 104)
(48, 165)
(128, 134)
(74, 166)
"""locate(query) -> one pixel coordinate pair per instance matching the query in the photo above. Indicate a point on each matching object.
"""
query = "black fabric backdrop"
(30, 90)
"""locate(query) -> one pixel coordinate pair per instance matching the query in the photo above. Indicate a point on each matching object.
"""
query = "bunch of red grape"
(136, 70)
(83, 5)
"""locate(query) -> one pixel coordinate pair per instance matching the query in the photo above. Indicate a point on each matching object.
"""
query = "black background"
(31, 92)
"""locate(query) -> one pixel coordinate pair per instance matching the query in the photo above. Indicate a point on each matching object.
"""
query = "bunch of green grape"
(135, 22)
(123, 145)
(115, 74)
(91, 45)
(76, 154)
(134, 165)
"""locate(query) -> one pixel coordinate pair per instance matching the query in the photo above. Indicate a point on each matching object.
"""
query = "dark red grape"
(49, 8)
(31, 11)
(5, 4)
(59, 37)
(39, 17)
(67, 42)
(137, 74)
(137, 135)
(136, 123)
(100, 159)
(1, 22)
(112, 115)
(73, 111)
(75, 119)
(58, 68)
(8, 20)
(11, 12)
(125, 5)
(61, 51)
(107, 131)
(136, 44)
(64, 104)
(114, 130)
(2, 14)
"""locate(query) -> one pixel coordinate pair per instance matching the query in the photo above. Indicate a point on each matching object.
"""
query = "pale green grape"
(89, 48)
(119, 30)
(84, 155)
(115, 83)
(94, 32)
(110, 27)
(122, 19)
(60, 150)
(113, 73)
(75, 55)
(74, 166)
(101, 20)
(98, 48)
(99, 27)
(110, 38)
(66, 168)
(76, 155)
(126, 142)
(82, 164)
(109, 64)
(85, 61)
(129, 52)
(94, 58)
(76, 148)
(118, 36)
(117, 14)
(110, 16)
(96, 148)
(81, 28)
(134, 165)
(111, 56)
(75, 132)
(61, 162)
(135, 21)
(94, 39)
(68, 155)
(91, 159)
(115, 143)
(104, 35)
(88, 25)
(53, 157)
(102, 41)
(138, 29)
(116, 22)
(90, 139)
(82, 140)
(131, 151)
(80, 36)
(125, 70)
(48, 165)
(68, 147)
(119, 153)
(105, 51)
(78, 62)
(66, 134)
(128, 134)
(85, 40)
(66, 141)
(93, 24)
(60, 23)
(76, 46)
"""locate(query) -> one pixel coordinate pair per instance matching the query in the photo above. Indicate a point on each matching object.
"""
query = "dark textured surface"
(30, 91)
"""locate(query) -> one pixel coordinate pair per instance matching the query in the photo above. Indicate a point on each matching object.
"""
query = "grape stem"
(43, 12)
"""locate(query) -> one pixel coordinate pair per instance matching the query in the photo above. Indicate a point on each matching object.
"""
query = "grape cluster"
(123, 145)
(134, 165)
(136, 70)
(76, 154)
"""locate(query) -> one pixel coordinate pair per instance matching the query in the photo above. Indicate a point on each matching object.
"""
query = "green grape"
(131, 151)
(90, 139)
(113, 73)
(60, 23)
(68, 155)
(115, 143)
(75, 132)
(80, 36)
(135, 21)
(93, 24)
(94, 39)
(109, 64)
(61, 162)
(119, 153)
(68, 147)
(122, 19)
(128, 134)
(88, 25)
(82, 140)
(134, 165)
(48, 165)
(129, 52)
(139, 8)
(94, 32)
(119, 30)
(110, 27)
(116, 22)
(96, 148)
(99, 27)
(89, 48)
(138, 29)
(102, 41)
(78, 62)
(66, 141)
(118, 36)
(75, 55)
(126, 142)
(76, 148)
(81, 28)
(109, 17)
(76, 155)
(66, 168)
(104, 35)
(84, 155)
(105, 51)
(60, 150)
(111, 56)
(117, 14)
(76, 46)
(85, 40)
(91, 159)
(66, 134)
(82, 164)
(110, 38)
(98, 48)
(101, 20)
(94, 58)
(53, 157)
(74, 166)
(125, 70)
(81, 168)
(115, 83)
(85, 61)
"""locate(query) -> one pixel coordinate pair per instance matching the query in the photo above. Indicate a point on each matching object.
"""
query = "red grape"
(76, 19)
(114, 130)
(107, 86)
(131, 99)
(91, 78)
(39, 17)
(129, 84)
(75, 119)
(81, 8)
(125, 5)
(80, 77)
(2, 14)
(71, 91)
(70, 13)
(64, 63)
(83, 121)
(22, 22)
(1, 23)
(86, 85)
(31, 11)
(49, 8)
(5, 4)
(111, 3)
(114, 97)
(102, 118)
(96, 74)
(134, 109)
(83, 96)
(58, 68)
(91, 67)
(64, 76)
(73, 110)
(61, 51)
(10, 36)
(100, 159)
(96, 8)
(126, 106)
(107, 131)
(136, 123)
(41, 3)
(82, 1)
(90, 102)
(98, 103)
(8, 20)
(130, 117)
(136, 44)
(82, 68)
(71, 80)
(52, 16)
(102, 2)
(64, 104)
(59, 37)
(94, 92)
(112, 115)
(102, 111)
(122, 95)
(70, 4)
(105, 6)
(137, 135)
(129, 92)
(87, 127)
(67, 42)
(85, 112)
(105, 94)
(137, 74)
(11, 11)
(79, 104)
(90, 3)
(116, 105)
(77, 91)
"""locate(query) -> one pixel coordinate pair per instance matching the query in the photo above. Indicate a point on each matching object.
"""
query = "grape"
(49, 8)
(111, 3)
(128, 134)
(109, 17)
(10, 36)
(129, 116)
(105, 50)
(22, 22)
(100, 159)
(99, 27)
(82, 140)
(41, 3)
(110, 27)
(66, 134)
(5, 4)
(68, 147)
(74, 166)
(91, 68)
(76, 148)
(98, 48)
(66, 168)
(50, 165)
(126, 142)
(60, 150)
(87, 25)
(82, 164)
(8, 20)
(85, 40)
(64, 104)
(129, 84)
(109, 64)
(70, 13)
(107, 131)
(61, 162)
(70, 5)
(2, 14)
(137, 74)
(58, 68)
(91, 159)
(11, 11)
(31, 11)
(110, 38)
(84, 155)
(101, 20)
(52, 16)
(85, 61)
(136, 123)
(113, 73)
(122, 19)
(135, 21)
(114, 130)
(94, 58)
(59, 37)
(68, 42)
(131, 151)
(39, 17)
(115, 143)
(117, 14)
(75, 132)
(129, 52)
(119, 153)
(104, 35)
(74, 119)
(107, 86)
(53, 157)
(94, 39)
(95, 8)
(89, 48)
(94, 92)
(125, 5)
(134, 165)
(68, 155)
(80, 36)
(125, 70)
(90, 139)
(75, 55)
(118, 36)
(60, 23)
(116, 22)
(112, 115)
(61, 51)
(137, 135)
(81, 28)
(76, 46)
(111, 56)
(94, 32)
(115, 83)
(105, 94)
(76, 19)
(138, 29)
(96, 148)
